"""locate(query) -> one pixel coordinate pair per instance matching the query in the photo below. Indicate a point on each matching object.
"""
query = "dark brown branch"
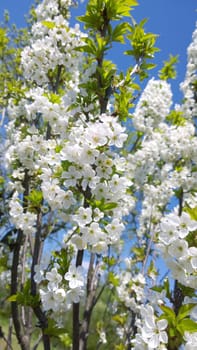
(38, 247)
(178, 295)
(91, 291)
(21, 337)
(76, 309)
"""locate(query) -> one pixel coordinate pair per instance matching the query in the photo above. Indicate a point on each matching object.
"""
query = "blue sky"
(173, 20)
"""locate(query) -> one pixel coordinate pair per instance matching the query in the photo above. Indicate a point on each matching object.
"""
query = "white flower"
(39, 274)
(153, 106)
(75, 276)
(74, 295)
(178, 248)
(84, 216)
(193, 254)
(54, 278)
(114, 229)
(168, 230)
(93, 234)
(153, 331)
(52, 300)
(186, 224)
(96, 135)
(191, 340)
(71, 176)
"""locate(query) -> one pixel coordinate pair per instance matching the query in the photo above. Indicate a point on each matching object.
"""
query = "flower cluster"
(52, 45)
(151, 331)
(76, 163)
(71, 174)
(60, 292)
(153, 105)
(180, 257)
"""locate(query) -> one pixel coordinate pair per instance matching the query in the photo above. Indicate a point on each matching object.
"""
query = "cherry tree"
(107, 173)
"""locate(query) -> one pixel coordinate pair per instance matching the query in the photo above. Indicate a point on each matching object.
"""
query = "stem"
(21, 337)
(178, 295)
(76, 309)
(91, 291)
(103, 97)
(56, 85)
(149, 245)
(38, 246)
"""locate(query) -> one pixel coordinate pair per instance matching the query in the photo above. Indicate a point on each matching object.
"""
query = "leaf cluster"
(143, 44)
(178, 324)
(168, 70)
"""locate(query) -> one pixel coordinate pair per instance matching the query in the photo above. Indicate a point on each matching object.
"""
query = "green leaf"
(53, 330)
(139, 252)
(185, 311)
(48, 24)
(53, 98)
(89, 47)
(66, 340)
(118, 32)
(113, 279)
(187, 325)
(167, 288)
(123, 7)
(157, 288)
(102, 205)
(168, 312)
(120, 346)
(142, 43)
(192, 212)
(35, 199)
(2, 180)
(168, 71)
(176, 118)
(99, 13)
(109, 206)
(12, 298)
(110, 261)
(120, 319)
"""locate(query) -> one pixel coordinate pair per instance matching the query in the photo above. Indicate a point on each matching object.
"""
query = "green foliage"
(110, 261)
(106, 73)
(102, 205)
(53, 97)
(176, 118)
(113, 279)
(101, 12)
(168, 70)
(120, 319)
(48, 24)
(185, 311)
(53, 330)
(35, 199)
(192, 212)
(24, 296)
(187, 325)
(124, 95)
(104, 83)
(139, 253)
(120, 346)
(12, 40)
(117, 34)
(142, 43)
(63, 258)
(178, 324)
(66, 340)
